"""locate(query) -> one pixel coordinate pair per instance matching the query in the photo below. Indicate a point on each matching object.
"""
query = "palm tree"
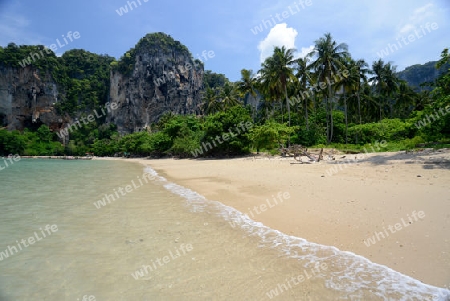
(347, 85)
(305, 79)
(329, 56)
(268, 82)
(210, 103)
(284, 59)
(377, 79)
(229, 96)
(361, 67)
(392, 83)
(247, 86)
(405, 100)
(276, 72)
(385, 82)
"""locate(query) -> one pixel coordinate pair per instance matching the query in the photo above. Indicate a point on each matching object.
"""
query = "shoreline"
(373, 199)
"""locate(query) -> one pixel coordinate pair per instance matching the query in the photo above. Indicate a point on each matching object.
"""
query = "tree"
(247, 85)
(405, 100)
(304, 78)
(329, 56)
(228, 96)
(277, 72)
(210, 103)
(269, 83)
(361, 68)
(385, 82)
(347, 84)
(284, 59)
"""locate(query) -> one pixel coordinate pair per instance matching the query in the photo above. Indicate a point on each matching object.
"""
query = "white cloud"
(423, 9)
(417, 18)
(279, 35)
(305, 51)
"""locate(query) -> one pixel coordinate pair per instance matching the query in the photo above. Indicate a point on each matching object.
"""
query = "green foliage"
(214, 80)
(11, 143)
(387, 129)
(152, 43)
(270, 135)
(83, 79)
(86, 81)
(234, 123)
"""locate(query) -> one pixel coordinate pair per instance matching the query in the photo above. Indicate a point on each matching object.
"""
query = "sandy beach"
(392, 208)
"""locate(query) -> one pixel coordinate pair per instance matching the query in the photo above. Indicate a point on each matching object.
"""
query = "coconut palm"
(210, 103)
(229, 96)
(247, 86)
(329, 56)
(347, 85)
(284, 59)
(385, 82)
(405, 100)
(276, 72)
(269, 82)
(304, 78)
(361, 67)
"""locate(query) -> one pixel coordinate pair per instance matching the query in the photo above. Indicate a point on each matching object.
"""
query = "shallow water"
(192, 248)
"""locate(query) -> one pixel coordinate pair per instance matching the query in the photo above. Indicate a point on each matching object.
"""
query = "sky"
(240, 33)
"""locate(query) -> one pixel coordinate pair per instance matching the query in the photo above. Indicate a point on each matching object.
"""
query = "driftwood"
(297, 151)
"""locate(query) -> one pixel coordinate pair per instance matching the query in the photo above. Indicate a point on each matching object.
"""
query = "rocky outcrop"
(164, 78)
(27, 98)
(159, 75)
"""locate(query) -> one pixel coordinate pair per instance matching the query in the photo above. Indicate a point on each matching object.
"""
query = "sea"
(113, 230)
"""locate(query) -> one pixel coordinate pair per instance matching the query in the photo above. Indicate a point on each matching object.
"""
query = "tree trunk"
(331, 114)
(346, 120)
(359, 107)
(306, 113)
(289, 113)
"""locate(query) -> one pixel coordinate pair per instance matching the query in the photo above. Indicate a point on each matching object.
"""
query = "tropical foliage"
(325, 97)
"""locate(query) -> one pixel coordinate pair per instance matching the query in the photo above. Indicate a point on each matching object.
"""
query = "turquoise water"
(156, 240)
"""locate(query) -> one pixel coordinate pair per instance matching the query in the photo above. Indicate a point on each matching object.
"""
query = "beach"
(391, 208)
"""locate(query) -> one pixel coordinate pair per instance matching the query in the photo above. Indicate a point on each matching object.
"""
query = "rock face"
(417, 74)
(27, 98)
(164, 78)
(157, 76)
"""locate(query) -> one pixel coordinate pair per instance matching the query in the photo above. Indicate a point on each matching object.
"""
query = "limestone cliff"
(161, 77)
(27, 98)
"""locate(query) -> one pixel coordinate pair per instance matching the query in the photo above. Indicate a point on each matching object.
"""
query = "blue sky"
(228, 27)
